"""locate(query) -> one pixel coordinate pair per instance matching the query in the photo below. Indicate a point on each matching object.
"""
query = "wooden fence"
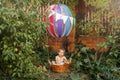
(107, 22)
(104, 22)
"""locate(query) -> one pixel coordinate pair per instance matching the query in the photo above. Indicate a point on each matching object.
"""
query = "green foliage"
(106, 67)
(113, 59)
(18, 33)
(41, 57)
(110, 73)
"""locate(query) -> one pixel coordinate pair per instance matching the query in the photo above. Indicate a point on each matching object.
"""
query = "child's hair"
(60, 49)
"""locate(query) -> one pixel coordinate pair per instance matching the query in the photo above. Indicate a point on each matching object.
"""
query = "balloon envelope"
(60, 19)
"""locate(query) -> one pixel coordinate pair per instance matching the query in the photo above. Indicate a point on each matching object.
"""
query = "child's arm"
(56, 59)
(65, 60)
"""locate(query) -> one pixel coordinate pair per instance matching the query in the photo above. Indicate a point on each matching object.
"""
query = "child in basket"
(60, 58)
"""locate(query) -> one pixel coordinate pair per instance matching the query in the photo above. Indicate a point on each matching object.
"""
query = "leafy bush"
(18, 35)
(106, 67)
(41, 57)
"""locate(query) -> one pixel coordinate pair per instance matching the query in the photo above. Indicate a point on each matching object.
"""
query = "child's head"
(61, 52)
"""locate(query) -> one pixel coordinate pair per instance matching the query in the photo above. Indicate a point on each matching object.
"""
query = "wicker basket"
(59, 68)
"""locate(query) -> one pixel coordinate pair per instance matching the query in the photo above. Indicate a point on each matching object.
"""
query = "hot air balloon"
(60, 20)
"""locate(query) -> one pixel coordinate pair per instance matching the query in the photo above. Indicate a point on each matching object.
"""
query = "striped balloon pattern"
(60, 20)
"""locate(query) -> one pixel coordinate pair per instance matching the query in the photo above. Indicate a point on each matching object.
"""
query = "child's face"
(61, 53)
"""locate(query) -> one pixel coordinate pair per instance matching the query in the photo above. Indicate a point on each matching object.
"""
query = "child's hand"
(67, 62)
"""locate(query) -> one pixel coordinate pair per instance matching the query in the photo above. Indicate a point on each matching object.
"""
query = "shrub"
(106, 67)
(18, 34)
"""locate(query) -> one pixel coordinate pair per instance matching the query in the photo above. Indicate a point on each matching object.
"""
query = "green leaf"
(5, 46)
(86, 60)
(84, 49)
(74, 76)
(14, 74)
